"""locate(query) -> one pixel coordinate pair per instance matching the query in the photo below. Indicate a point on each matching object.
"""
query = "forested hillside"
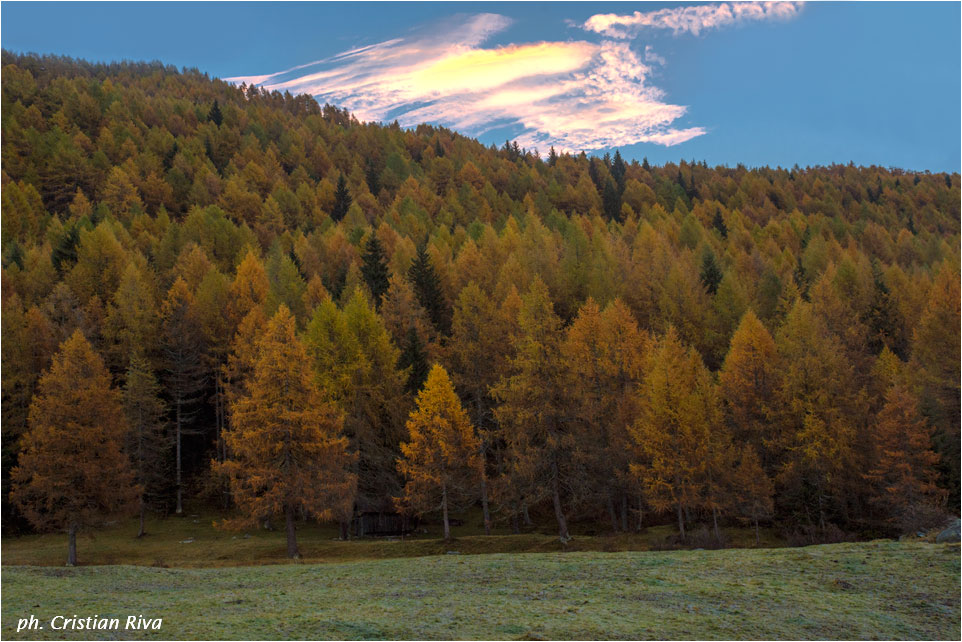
(237, 297)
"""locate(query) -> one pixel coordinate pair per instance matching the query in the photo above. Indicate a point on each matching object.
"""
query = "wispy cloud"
(574, 94)
(690, 19)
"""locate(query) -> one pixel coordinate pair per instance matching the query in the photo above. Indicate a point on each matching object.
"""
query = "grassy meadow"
(871, 590)
(192, 540)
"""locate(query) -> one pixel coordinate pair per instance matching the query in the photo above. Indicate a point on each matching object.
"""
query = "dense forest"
(218, 294)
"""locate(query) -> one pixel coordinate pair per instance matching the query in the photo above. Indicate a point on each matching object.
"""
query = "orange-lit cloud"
(575, 95)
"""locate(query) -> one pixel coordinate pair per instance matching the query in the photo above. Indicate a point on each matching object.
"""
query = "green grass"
(193, 541)
(881, 589)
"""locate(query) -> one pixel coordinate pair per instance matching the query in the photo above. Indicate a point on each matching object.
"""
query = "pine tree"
(286, 452)
(618, 171)
(414, 360)
(182, 350)
(711, 275)
(147, 440)
(440, 460)
(552, 157)
(342, 200)
(427, 287)
(718, 222)
(215, 116)
(611, 200)
(73, 469)
(375, 270)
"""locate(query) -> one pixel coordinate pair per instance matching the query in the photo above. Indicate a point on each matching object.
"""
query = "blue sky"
(760, 84)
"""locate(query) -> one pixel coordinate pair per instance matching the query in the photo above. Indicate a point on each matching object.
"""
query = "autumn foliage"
(441, 459)
(286, 452)
(270, 282)
(73, 471)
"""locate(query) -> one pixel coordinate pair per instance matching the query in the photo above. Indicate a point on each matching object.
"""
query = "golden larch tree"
(532, 410)
(73, 471)
(936, 364)
(904, 473)
(747, 381)
(682, 452)
(817, 404)
(285, 449)
(604, 355)
(441, 459)
(752, 490)
(478, 355)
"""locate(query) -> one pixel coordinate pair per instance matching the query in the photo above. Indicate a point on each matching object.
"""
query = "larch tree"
(816, 404)
(752, 490)
(246, 313)
(402, 313)
(249, 289)
(747, 381)
(355, 365)
(286, 451)
(604, 354)
(533, 406)
(131, 322)
(74, 470)
(478, 356)
(29, 341)
(440, 460)
(904, 473)
(936, 361)
(182, 346)
(681, 449)
(212, 299)
(148, 442)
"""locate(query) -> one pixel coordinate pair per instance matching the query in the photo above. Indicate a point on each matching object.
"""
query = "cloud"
(575, 95)
(690, 19)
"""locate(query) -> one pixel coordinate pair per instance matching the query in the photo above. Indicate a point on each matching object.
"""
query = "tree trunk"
(345, 531)
(484, 501)
(444, 511)
(292, 551)
(624, 513)
(681, 522)
(180, 505)
(714, 515)
(143, 509)
(478, 418)
(757, 540)
(72, 545)
(641, 514)
(525, 515)
(821, 510)
(611, 513)
(556, 499)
